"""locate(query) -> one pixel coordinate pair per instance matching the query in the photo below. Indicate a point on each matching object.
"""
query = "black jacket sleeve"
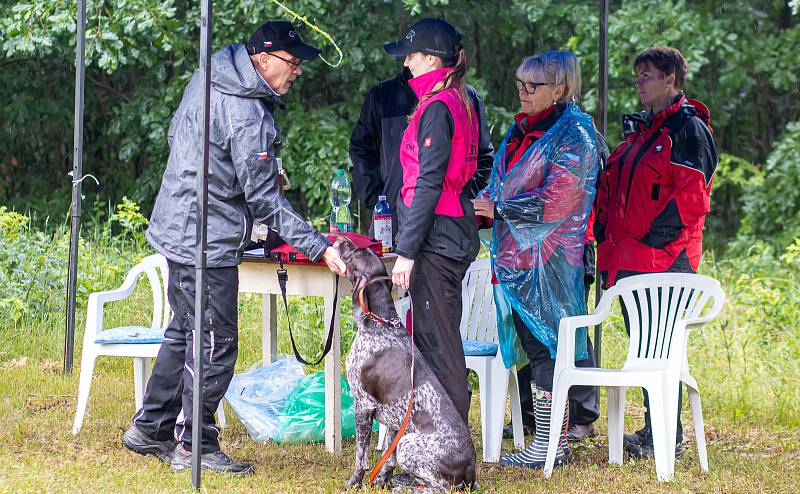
(485, 149)
(365, 151)
(434, 138)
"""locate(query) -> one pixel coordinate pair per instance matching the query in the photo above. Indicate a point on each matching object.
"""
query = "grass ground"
(754, 449)
(41, 455)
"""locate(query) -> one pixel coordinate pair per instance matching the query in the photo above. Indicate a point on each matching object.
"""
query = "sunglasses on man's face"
(529, 87)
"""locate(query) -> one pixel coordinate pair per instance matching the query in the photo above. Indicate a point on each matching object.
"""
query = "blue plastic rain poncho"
(537, 249)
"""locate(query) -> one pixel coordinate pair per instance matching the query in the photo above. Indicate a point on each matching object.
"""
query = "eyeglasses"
(294, 65)
(530, 87)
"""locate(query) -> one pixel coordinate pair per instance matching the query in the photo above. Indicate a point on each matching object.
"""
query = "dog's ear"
(358, 284)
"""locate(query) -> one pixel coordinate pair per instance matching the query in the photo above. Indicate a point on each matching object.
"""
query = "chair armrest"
(94, 310)
(696, 323)
(565, 352)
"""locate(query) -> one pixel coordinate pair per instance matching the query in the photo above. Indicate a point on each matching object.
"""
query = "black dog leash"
(283, 277)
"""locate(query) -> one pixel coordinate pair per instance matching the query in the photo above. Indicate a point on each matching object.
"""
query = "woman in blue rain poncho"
(540, 195)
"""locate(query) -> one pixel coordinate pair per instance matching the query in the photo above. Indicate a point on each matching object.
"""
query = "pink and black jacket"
(655, 193)
(438, 154)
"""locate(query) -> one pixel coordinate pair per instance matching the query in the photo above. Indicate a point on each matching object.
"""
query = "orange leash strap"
(402, 429)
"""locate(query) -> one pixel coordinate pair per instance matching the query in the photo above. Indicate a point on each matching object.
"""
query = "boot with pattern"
(535, 454)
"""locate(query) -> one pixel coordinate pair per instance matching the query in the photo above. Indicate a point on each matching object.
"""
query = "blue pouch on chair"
(476, 348)
(130, 334)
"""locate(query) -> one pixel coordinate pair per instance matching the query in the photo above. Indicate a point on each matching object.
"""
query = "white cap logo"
(410, 36)
(292, 34)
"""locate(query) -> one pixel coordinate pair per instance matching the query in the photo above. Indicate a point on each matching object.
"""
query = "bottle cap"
(339, 172)
(381, 198)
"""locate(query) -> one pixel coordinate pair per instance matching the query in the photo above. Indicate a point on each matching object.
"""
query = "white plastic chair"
(479, 322)
(662, 310)
(154, 267)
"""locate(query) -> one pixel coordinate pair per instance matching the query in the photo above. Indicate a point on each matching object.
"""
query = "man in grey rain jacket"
(247, 84)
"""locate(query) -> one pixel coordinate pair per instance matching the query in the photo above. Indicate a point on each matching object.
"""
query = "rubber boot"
(534, 455)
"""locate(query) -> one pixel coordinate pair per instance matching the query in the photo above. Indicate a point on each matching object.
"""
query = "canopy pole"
(602, 112)
(77, 174)
(202, 247)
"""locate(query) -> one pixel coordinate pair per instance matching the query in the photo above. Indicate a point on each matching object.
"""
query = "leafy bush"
(316, 143)
(33, 265)
(772, 200)
(733, 177)
(756, 341)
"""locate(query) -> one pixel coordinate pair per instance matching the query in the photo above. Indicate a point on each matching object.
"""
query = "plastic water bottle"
(341, 221)
(382, 223)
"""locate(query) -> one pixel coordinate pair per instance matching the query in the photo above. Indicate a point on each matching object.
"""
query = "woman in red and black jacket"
(654, 194)
(437, 239)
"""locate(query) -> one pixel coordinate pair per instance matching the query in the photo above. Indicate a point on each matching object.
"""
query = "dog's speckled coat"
(436, 447)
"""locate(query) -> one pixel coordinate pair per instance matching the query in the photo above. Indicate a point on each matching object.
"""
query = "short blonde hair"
(556, 68)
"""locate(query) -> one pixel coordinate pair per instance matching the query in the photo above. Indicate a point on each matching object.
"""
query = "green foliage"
(33, 265)
(29, 274)
(12, 224)
(141, 54)
(772, 202)
(733, 178)
(315, 145)
(127, 215)
(758, 334)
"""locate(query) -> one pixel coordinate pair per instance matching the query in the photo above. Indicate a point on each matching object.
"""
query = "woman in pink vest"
(437, 237)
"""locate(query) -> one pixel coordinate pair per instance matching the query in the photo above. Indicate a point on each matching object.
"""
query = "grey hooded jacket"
(242, 170)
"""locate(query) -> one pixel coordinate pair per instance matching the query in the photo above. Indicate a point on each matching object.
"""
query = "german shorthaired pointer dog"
(437, 447)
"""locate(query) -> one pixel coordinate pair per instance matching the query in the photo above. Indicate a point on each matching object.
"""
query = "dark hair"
(456, 78)
(666, 59)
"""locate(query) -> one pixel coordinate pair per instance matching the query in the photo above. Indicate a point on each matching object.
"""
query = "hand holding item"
(401, 273)
(334, 262)
(483, 207)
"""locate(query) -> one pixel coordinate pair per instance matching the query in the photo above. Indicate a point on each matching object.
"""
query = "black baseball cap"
(430, 36)
(280, 35)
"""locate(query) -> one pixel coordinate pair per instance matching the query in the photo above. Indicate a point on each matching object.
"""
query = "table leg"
(333, 380)
(269, 328)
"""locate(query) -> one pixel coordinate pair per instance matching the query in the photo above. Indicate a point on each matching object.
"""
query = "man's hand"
(483, 207)
(334, 262)
(401, 273)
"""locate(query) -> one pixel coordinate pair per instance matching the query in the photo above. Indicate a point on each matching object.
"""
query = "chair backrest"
(157, 272)
(655, 304)
(478, 317)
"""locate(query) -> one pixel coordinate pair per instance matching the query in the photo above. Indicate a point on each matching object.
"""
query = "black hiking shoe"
(508, 431)
(642, 436)
(579, 432)
(139, 442)
(645, 450)
(216, 462)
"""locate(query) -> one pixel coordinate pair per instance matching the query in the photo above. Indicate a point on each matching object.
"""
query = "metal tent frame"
(202, 191)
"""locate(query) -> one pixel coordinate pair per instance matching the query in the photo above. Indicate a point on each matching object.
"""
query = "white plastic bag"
(258, 396)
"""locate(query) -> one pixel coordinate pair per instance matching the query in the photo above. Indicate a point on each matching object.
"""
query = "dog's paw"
(354, 480)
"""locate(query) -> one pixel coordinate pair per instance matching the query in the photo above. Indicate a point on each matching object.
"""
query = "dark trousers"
(170, 386)
(436, 297)
(584, 401)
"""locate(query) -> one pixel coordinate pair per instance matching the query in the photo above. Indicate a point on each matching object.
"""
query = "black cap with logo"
(430, 36)
(280, 35)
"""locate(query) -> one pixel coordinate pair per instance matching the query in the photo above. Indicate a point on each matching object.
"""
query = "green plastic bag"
(303, 419)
